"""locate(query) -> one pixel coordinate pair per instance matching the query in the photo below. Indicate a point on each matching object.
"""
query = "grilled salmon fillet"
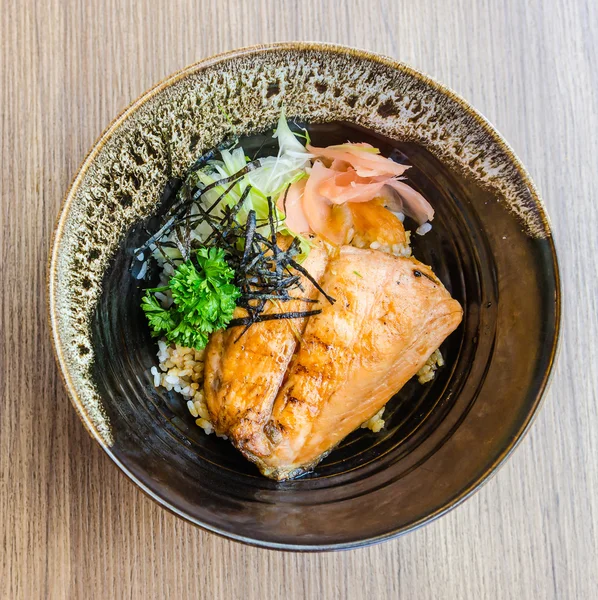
(286, 405)
(243, 374)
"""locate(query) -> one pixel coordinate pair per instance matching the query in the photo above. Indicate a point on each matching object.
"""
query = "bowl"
(491, 245)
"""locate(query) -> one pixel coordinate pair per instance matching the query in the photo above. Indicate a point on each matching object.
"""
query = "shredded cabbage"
(270, 179)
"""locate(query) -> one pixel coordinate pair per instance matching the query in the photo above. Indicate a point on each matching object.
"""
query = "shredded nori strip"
(284, 200)
(249, 233)
(307, 274)
(228, 142)
(166, 257)
(273, 317)
(180, 207)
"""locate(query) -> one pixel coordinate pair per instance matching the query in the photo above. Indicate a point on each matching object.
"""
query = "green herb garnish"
(204, 299)
(358, 274)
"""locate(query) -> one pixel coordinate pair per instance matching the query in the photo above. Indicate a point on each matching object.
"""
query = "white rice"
(428, 371)
(423, 229)
(376, 423)
(396, 249)
(182, 371)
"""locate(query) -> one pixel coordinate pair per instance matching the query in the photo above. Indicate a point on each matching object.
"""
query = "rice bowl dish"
(394, 464)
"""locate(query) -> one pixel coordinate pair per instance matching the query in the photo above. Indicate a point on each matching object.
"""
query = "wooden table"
(71, 526)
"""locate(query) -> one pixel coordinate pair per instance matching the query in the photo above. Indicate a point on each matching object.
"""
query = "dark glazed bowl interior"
(441, 440)
(371, 479)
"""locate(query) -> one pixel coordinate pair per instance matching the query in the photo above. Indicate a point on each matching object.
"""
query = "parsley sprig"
(204, 299)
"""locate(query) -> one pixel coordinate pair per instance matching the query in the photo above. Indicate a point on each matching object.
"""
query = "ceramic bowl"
(491, 245)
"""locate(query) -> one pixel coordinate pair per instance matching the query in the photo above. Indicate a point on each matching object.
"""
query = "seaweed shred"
(264, 271)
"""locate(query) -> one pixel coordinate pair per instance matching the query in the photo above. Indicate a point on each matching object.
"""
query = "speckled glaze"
(161, 133)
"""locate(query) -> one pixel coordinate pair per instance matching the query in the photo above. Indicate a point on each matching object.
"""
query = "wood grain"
(70, 525)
